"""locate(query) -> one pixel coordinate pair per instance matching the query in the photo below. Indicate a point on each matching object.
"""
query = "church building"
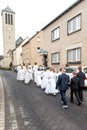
(8, 27)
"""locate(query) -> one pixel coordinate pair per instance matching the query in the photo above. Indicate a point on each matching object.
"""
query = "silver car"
(70, 69)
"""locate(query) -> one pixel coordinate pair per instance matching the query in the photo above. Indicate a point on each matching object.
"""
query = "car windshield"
(70, 70)
(85, 70)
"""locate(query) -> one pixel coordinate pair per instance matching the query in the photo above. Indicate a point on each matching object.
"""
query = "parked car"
(70, 69)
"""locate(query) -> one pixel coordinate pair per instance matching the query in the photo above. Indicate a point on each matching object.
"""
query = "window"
(78, 22)
(55, 34)
(6, 18)
(38, 39)
(74, 55)
(11, 19)
(74, 24)
(55, 58)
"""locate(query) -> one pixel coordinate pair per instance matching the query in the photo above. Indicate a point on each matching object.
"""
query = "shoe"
(54, 94)
(65, 106)
(79, 103)
(46, 92)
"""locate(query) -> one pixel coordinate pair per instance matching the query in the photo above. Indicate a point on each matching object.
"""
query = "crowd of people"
(54, 82)
(44, 78)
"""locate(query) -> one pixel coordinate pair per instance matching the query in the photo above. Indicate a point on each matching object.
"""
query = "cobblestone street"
(27, 107)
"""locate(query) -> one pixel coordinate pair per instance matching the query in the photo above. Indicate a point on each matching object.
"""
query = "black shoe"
(79, 103)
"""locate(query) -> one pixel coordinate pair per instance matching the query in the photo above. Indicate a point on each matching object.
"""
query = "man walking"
(63, 85)
(81, 77)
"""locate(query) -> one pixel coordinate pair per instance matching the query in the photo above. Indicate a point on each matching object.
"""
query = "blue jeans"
(63, 97)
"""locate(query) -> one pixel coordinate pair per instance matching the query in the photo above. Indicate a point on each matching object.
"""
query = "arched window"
(11, 19)
(6, 18)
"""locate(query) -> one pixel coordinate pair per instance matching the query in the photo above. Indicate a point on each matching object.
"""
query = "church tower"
(8, 27)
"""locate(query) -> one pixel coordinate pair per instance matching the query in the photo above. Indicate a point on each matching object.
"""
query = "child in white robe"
(31, 72)
(39, 77)
(26, 76)
(35, 68)
(52, 81)
(22, 72)
(18, 72)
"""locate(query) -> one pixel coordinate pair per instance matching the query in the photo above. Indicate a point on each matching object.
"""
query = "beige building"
(62, 42)
(65, 37)
(31, 51)
(8, 26)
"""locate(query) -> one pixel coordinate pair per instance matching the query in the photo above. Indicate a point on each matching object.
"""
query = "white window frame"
(55, 58)
(55, 34)
(74, 55)
(74, 24)
(78, 23)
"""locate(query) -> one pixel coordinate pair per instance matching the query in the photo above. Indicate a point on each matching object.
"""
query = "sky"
(32, 15)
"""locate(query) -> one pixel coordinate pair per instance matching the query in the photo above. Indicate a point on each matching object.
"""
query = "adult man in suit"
(81, 76)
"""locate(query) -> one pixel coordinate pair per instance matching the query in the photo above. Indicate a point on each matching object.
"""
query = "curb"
(2, 106)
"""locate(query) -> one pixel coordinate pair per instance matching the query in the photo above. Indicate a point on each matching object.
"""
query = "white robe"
(45, 81)
(31, 73)
(18, 72)
(52, 81)
(22, 72)
(27, 77)
(35, 68)
(39, 76)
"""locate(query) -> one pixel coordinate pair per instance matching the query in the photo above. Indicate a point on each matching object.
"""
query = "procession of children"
(53, 82)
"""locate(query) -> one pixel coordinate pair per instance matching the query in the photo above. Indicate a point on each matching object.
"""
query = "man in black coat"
(81, 77)
(63, 85)
(74, 85)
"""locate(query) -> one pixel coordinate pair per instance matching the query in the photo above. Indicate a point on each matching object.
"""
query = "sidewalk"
(2, 108)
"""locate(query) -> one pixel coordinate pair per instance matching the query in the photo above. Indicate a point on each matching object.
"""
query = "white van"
(70, 69)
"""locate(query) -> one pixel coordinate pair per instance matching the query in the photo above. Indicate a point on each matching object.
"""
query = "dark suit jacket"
(63, 82)
(81, 77)
(74, 84)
